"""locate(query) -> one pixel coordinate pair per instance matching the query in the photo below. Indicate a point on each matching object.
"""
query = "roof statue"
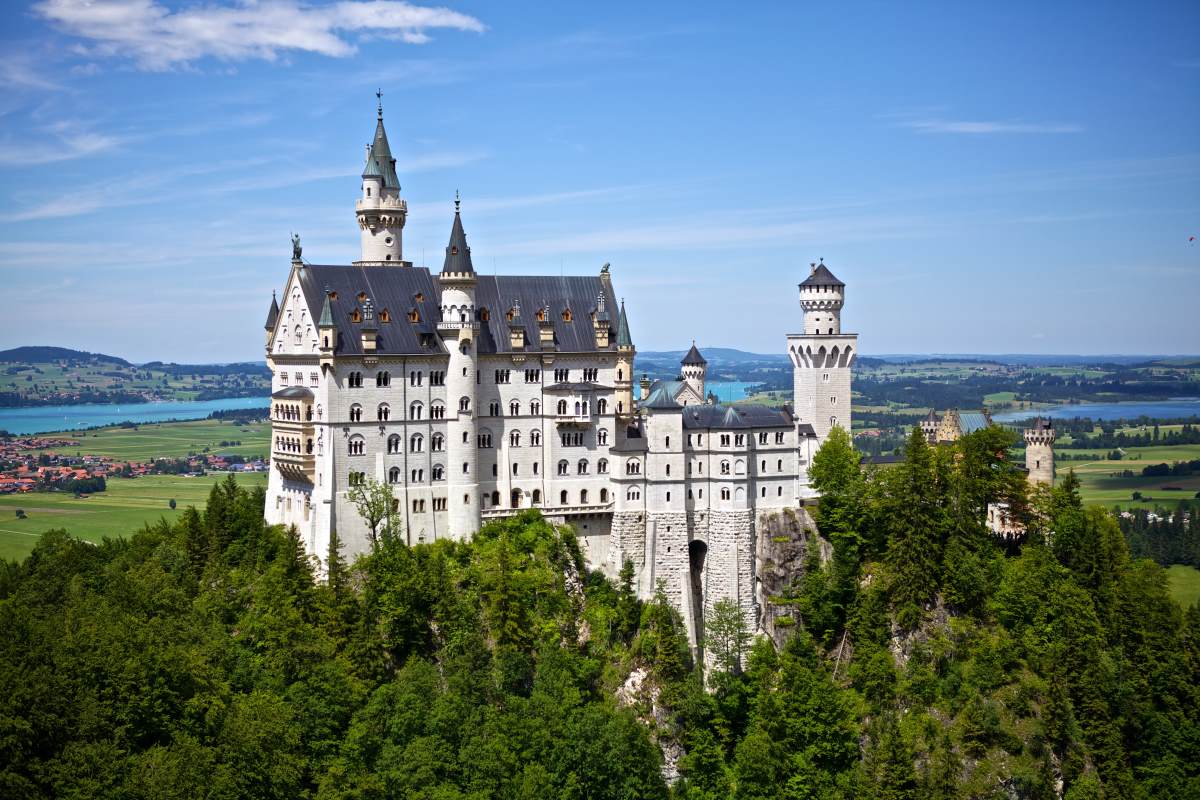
(604, 268)
(296, 248)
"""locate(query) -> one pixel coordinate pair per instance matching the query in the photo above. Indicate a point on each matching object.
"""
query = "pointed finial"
(379, 98)
(457, 201)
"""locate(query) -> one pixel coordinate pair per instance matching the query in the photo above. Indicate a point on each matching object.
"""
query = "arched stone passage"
(697, 555)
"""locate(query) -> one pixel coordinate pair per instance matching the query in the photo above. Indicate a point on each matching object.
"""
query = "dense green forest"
(204, 660)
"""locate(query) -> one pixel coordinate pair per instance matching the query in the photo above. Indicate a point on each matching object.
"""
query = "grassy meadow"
(170, 440)
(128, 504)
(1184, 583)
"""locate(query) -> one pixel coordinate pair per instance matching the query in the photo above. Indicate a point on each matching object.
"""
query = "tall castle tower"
(625, 355)
(460, 333)
(380, 210)
(1039, 452)
(694, 367)
(822, 355)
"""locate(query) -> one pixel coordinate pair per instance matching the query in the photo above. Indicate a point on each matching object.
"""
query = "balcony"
(299, 467)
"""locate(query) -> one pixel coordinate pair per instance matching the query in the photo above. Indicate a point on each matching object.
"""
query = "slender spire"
(458, 254)
(693, 357)
(326, 320)
(623, 337)
(379, 108)
(273, 314)
(380, 163)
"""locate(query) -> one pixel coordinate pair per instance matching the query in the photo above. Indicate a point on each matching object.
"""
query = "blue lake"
(728, 391)
(43, 419)
(1162, 409)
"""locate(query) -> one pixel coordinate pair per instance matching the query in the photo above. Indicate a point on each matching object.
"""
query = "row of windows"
(297, 378)
(383, 378)
(291, 411)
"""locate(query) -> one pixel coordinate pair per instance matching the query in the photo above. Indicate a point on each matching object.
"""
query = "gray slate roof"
(395, 289)
(821, 276)
(272, 314)
(379, 159)
(971, 421)
(721, 417)
(458, 254)
(623, 337)
(293, 393)
(661, 400)
(693, 357)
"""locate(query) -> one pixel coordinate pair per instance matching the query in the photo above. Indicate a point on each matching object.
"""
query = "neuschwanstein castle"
(476, 396)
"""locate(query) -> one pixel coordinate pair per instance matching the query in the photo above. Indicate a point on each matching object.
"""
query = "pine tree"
(917, 525)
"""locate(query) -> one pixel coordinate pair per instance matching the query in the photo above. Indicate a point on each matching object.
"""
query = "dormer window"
(385, 316)
(541, 315)
(419, 296)
(484, 315)
(362, 296)
(453, 250)
(414, 315)
(566, 315)
(510, 315)
(356, 316)
(333, 295)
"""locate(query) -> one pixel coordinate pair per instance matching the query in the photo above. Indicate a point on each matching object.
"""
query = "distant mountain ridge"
(40, 354)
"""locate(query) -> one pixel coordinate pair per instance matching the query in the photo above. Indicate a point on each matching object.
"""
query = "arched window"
(416, 443)
(299, 335)
(779, 465)
(495, 498)
(393, 443)
(583, 466)
(437, 443)
(535, 407)
(562, 407)
(383, 378)
(535, 438)
(464, 404)
(438, 472)
(633, 467)
(562, 497)
(563, 467)
(577, 407)
(514, 439)
(633, 494)
(602, 436)
(583, 497)
(603, 496)
(437, 410)
(724, 467)
(601, 406)
(494, 408)
(356, 446)
(739, 467)
(383, 412)
(514, 408)
(394, 475)
(537, 497)
(415, 409)
(356, 413)
(668, 470)
(602, 466)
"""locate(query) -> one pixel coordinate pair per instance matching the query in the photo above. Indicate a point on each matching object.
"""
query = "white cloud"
(63, 142)
(157, 38)
(977, 127)
(19, 71)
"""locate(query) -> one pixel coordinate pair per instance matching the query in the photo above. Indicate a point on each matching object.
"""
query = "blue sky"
(993, 178)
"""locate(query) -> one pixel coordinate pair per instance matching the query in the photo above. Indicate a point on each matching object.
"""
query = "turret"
(459, 332)
(381, 213)
(1039, 452)
(272, 318)
(327, 333)
(694, 367)
(821, 297)
(625, 356)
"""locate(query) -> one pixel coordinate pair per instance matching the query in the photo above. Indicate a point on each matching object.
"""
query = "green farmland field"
(128, 504)
(1100, 487)
(170, 440)
(1185, 584)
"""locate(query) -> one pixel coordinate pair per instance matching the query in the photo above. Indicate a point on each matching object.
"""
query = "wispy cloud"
(20, 71)
(987, 127)
(63, 141)
(157, 38)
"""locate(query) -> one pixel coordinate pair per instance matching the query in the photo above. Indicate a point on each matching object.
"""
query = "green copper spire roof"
(623, 337)
(326, 320)
(458, 254)
(273, 314)
(380, 163)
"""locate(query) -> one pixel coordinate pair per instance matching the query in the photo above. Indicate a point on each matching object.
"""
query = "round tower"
(459, 333)
(380, 210)
(1039, 452)
(693, 368)
(821, 298)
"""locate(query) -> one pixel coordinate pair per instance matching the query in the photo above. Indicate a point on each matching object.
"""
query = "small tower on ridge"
(694, 368)
(1039, 452)
(625, 356)
(380, 210)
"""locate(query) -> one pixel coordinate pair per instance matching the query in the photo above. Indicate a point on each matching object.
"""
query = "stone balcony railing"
(550, 511)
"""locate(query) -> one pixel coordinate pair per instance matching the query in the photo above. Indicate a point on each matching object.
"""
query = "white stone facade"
(471, 412)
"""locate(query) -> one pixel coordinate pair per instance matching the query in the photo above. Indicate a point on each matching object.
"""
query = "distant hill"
(45, 355)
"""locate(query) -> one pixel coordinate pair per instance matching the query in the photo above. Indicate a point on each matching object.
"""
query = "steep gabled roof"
(821, 276)
(693, 358)
(272, 314)
(661, 400)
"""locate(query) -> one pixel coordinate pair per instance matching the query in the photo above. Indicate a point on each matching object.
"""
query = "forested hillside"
(202, 659)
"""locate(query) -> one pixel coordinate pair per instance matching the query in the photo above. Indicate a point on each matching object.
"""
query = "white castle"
(478, 396)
